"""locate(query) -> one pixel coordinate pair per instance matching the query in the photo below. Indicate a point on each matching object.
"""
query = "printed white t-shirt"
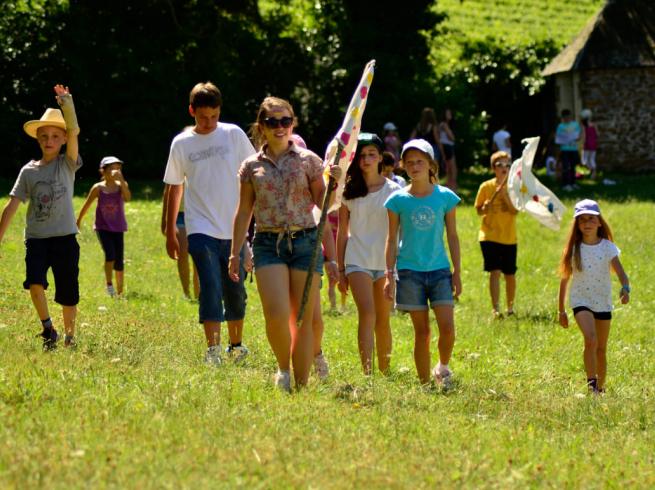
(368, 224)
(207, 164)
(592, 286)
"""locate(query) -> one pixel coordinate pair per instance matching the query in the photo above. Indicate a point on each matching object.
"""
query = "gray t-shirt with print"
(49, 190)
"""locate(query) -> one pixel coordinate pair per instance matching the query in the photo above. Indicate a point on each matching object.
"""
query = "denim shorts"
(179, 222)
(375, 274)
(294, 251)
(221, 299)
(415, 289)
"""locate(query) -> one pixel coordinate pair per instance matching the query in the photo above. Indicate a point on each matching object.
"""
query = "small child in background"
(112, 192)
(392, 142)
(497, 233)
(388, 167)
(47, 185)
(588, 257)
(590, 143)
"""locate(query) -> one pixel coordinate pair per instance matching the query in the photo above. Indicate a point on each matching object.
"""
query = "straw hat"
(51, 117)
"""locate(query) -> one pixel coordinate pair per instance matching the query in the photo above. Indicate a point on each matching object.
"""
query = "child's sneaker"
(50, 337)
(69, 341)
(283, 381)
(110, 290)
(321, 366)
(213, 356)
(237, 353)
(442, 375)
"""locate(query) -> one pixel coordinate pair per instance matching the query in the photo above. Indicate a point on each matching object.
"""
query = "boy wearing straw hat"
(47, 186)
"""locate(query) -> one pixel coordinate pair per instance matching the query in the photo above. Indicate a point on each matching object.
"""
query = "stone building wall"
(623, 105)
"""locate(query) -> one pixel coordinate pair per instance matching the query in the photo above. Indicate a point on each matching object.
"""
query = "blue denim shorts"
(294, 251)
(375, 274)
(179, 222)
(221, 299)
(415, 289)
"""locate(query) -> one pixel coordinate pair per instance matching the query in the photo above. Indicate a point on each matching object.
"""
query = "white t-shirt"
(207, 164)
(592, 286)
(500, 138)
(368, 225)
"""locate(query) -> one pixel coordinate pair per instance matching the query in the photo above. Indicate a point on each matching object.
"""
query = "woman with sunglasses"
(281, 184)
(497, 233)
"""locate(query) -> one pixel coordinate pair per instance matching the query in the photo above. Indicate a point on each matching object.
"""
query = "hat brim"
(580, 213)
(31, 127)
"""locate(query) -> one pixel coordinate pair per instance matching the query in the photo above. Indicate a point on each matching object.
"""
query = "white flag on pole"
(528, 194)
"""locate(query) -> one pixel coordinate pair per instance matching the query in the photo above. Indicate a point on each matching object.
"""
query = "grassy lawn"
(135, 407)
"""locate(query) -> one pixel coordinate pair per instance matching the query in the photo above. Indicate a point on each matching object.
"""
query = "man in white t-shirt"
(501, 141)
(205, 159)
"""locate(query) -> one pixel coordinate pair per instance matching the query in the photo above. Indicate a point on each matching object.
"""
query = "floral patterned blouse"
(282, 189)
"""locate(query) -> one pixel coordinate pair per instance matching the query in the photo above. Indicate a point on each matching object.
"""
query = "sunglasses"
(273, 123)
(502, 165)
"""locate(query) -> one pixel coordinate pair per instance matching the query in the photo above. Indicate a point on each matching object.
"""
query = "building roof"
(620, 35)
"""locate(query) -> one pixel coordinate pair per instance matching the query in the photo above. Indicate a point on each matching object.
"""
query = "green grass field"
(134, 406)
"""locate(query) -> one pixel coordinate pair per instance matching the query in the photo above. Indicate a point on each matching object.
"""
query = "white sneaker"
(442, 376)
(238, 353)
(283, 381)
(321, 367)
(111, 291)
(213, 356)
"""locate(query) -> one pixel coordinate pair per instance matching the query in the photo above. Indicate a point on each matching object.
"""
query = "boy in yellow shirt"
(497, 233)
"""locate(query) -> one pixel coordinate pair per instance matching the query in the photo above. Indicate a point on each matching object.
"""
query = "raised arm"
(93, 195)
(123, 185)
(7, 215)
(65, 101)
(453, 247)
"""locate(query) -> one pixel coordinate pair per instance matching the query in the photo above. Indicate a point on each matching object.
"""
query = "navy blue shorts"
(62, 253)
(113, 246)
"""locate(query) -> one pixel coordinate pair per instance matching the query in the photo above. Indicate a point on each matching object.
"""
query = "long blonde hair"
(571, 254)
(268, 104)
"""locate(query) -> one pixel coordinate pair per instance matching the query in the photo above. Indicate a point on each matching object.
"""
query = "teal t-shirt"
(567, 135)
(422, 222)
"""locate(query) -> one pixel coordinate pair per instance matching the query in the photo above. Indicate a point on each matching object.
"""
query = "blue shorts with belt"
(293, 249)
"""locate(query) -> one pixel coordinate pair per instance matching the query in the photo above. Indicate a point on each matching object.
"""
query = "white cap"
(418, 144)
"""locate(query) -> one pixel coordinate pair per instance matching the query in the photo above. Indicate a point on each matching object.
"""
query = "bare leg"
(235, 330)
(69, 313)
(587, 324)
(303, 337)
(120, 275)
(109, 271)
(361, 286)
(510, 291)
(602, 333)
(37, 293)
(421, 321)
(382, 326)
(273, 287)
(494, 290)
(446, 322)
(212, 332)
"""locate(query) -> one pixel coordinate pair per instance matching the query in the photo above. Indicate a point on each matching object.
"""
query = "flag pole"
(319, 237)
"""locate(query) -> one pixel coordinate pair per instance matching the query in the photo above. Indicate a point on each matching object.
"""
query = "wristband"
(626, 288)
